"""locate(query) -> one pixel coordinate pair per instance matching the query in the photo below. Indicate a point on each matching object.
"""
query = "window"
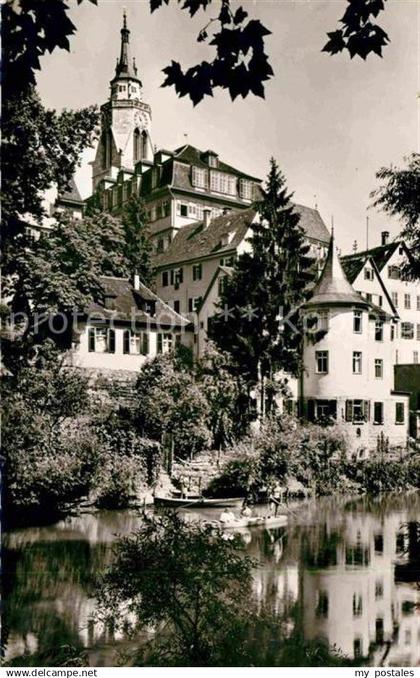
(392, 332)
(160, 246)
(321, 358)
(407, 330)
(357, 322)
(222, 183)
(379, 589)
(165, 279)
(379, 368)
(379, 631)
(183, 209)
(380, 300)
(193, 304)
(415, 357)
(407, 301)
(245, 189)
(368, 273)
(394, 272)
(135, 343)
(379, 330)
(357, 411)
(418, 302)
(399, 413)
(323, 604)
(357, 362)
(212, 160)
(178, 277)
(418, 332)
(197, 271)
(357, 605)
(368, 296)
(177, 306)
(227, 261)
(101, 340)
(198, 177)
(326, 408)
(378, 413)
(164, 342)
(394, 298)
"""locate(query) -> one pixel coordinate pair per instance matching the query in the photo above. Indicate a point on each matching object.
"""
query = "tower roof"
(333, 288)
(126, 66)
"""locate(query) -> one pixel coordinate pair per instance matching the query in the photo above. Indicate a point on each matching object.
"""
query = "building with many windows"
(348, 370)
(177, 186)
(190, 273)
(377, 275)
(130, 326)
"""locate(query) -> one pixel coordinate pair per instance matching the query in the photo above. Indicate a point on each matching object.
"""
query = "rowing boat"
(200, 502)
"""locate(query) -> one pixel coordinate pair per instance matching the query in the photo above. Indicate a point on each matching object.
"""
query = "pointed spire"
(126, 66)
(333, 287)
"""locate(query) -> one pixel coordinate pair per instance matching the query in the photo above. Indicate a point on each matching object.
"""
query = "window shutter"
(332, 408)
(159, 343)
(144, 343)
(111, 341)
(366, 410)
(311, 410)
(126, 341)
(349, 410)
(91, 339)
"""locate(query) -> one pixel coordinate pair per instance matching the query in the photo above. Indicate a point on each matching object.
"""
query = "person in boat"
(246, 511)
(227, 516)
(277, 496)
(182, 488)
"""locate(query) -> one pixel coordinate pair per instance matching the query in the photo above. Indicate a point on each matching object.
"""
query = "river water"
(350, 566)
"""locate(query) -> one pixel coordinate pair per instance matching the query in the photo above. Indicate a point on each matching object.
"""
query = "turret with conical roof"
(333, 288)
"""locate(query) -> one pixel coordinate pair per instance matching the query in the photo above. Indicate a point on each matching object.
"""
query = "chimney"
(206, 217)
(136, 281)
(384, 237)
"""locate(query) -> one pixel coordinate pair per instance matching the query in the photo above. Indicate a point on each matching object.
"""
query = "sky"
(330, 122)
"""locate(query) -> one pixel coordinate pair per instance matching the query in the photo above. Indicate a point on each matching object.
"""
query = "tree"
(185, 579)
(171, 402)
(32, 28)
(138, 246)
(228, 415)
(257, 321)
(40, 149)
(45, 447)
(399, 196)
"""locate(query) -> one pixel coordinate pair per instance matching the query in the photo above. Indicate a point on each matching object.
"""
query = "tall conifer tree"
(256, 320)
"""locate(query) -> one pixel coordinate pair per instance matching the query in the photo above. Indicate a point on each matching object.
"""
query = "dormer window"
(198, 177)
(245, 189)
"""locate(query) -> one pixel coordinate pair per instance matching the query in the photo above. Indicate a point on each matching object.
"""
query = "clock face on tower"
(141, 120)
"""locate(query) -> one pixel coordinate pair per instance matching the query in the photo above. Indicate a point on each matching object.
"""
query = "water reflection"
(348, 572)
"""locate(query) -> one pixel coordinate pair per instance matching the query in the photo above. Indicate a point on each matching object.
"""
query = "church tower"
(125, 120)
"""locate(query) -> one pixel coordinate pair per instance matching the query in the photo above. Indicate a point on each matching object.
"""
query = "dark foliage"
(399, 196)
(257, 317)
(241, 66)
(359, 35)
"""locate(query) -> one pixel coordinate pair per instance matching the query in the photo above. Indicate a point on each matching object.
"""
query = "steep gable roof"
(353, 263)
(193, 241)
(193, 156)
(70, 194)
(123, 302)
